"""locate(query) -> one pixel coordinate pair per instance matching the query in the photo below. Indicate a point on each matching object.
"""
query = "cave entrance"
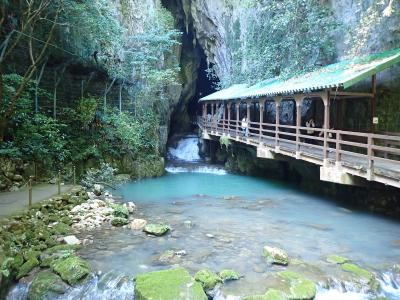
(206, 84)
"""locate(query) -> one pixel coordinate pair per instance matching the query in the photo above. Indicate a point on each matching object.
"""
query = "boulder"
(227, 275)
(98, 189)
(120, 210)
(156, 229)
(71, 240)
(117, 221)
(300, 288)
(18, 177)
(171, 284)
(208, 279)
(46, 285)
(138, 224)
(362, 276)
(275, 255)
(130, 206)
(72, 269)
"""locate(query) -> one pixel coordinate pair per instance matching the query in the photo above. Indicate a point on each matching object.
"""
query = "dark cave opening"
(194, 71)
(205, 84)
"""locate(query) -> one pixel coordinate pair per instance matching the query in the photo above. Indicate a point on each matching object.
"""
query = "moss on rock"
(27, 267)
(300, 288)
(207, 278)
(120, 211)
(362, 275)
(156, 229)
(227, 275)
(273, 294)
(336, 259)
(46, 285)
(117, 221)
(275, 255)
(60, 229)
(171, 284)
(72, 269)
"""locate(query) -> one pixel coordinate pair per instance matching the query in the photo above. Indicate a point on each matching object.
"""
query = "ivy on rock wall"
(278, 38)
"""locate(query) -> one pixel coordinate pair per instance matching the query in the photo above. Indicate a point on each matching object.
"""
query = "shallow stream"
(223, 221)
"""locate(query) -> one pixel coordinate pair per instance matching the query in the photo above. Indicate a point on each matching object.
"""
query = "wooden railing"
(363, 151)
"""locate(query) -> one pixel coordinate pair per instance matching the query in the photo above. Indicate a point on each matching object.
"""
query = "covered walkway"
(269, 116)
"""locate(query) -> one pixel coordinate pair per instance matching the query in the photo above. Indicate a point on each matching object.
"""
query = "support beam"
(278, 101)
(326, 100)
(237, 117)
(299, 100)
(261, 106)
(373, 103)
(229, 118)
(248, 118)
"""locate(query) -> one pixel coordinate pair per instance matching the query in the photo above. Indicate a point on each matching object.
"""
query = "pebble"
(209, 235)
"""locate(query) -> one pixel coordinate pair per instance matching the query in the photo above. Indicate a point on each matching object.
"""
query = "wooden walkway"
(342, 155)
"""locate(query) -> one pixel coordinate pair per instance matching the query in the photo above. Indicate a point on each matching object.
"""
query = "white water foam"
(186, 150)
(200, 169)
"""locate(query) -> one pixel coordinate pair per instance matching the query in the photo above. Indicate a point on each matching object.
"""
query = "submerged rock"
(168, 285)
(117, 221)
(138, 224)
(275, 255)
(336, 259)
(227, 275)
(273, 294)
(156, 229)
(72, 269)
(300, 287)
(46, 285)
(208, 279)
(362, 276)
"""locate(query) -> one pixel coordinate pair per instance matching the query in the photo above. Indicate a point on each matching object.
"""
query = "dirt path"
(13, 202)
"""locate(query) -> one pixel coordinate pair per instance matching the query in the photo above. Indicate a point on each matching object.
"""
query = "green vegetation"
(39, 125)
(168, 284)
(208, 279)
(256, 53)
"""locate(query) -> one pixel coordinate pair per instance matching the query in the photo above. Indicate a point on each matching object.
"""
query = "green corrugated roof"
(342, 74)
(226, 94)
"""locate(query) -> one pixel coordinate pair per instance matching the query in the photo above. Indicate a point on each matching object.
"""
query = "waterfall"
(187, 150)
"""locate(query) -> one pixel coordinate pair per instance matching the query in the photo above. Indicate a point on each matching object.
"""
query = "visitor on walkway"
(245, 127)
(310, 124)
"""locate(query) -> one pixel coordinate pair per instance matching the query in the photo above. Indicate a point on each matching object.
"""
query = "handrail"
(368, 147)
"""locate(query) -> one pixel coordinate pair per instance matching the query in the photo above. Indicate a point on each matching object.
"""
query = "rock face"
(72, 269)
(275, 255)
(46, 285)
(168, 285)
(156, 229)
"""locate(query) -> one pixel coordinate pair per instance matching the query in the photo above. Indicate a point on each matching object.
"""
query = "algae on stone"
(336, 259)
(72, 269)
(27, 267)
(300, 288)
(362, 275)
(171, 284)
(156, 229)
(227, 275)
(275, 255)
(117, 221)
(273, 294)
(207, 278)
(46, 285)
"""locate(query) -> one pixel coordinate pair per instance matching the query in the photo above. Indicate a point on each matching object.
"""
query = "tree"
(34, 14)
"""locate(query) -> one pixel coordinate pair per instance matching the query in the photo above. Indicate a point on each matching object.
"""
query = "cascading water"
(185, 157)
(186, 150)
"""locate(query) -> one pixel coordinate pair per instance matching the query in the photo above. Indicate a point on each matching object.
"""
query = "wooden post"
(373, 104)
(277, 116)
(326, 100)
(370, 155)
(237, 117)
(229, 117)
(212, 116)
(223, 117)
(338, 149)
(248, 107)
(298, 99)
(262, 106)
